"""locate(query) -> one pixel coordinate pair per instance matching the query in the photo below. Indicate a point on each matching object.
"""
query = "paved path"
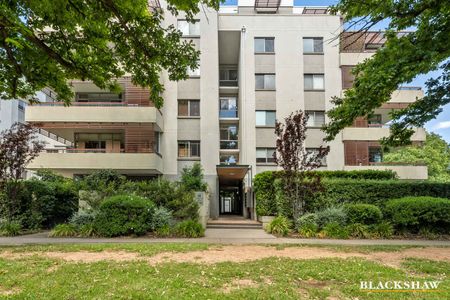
(214, 236)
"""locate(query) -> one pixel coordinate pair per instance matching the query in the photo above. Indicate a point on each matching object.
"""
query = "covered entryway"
(233, 190)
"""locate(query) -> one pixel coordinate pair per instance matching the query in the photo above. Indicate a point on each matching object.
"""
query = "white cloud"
(442, 125)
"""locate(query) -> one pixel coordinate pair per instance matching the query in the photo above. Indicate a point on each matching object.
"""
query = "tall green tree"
(45, 43)
(435, 153)
(399, 61)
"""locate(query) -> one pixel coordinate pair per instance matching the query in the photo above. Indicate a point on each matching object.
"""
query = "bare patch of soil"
(79, 256)
(238, 284)
(8, 291)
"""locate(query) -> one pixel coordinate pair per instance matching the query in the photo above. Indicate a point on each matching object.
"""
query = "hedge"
(340, 191)
(415, 213)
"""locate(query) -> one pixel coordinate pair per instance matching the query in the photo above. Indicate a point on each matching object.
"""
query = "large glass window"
(228, 107)
(98, 97)
(229, 158)
(265, 155)
(264, 45)
(265, 118)
(316, 118)
(314, 82)
(229, 137)
(189, 29)
(374, 120)
(315, 151)
(228, 77)
(188, 108)
(375, 155)
(192, 72)
(265, 81)
(312, 45)
(189, 149)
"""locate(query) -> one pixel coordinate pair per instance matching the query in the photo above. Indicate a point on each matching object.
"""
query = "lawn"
(200, 271)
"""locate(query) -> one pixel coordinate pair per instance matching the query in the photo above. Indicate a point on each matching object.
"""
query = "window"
(265, 155)
(229, 137)
(375, 155)
(188, 108)
(157, 145)
(265, 45)
(314, 82)
(265, 81)
(316, 118)
(312, 45)
(229, 158)
(194, 73)
(314, 151)
(374, 121)
(265, 118)
(188, 148)
(228, 77)
(189, 29)
(228, 107)
(98, 97)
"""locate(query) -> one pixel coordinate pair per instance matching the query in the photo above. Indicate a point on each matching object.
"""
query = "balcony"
(415, 172)
(376, 133)
(229, 145)
(72, 161)
(92, 113)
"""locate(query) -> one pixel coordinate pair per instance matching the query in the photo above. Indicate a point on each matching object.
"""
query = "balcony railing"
(77, 150)
(228, 83)
(91, 104)
(409, 88)
(229, 145)
(229, 113)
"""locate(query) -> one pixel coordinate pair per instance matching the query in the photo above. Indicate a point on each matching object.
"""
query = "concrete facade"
(239, 88)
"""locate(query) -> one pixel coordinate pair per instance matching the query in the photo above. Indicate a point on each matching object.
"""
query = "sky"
(440, 125)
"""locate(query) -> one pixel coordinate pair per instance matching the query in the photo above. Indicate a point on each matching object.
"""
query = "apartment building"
(260, 61)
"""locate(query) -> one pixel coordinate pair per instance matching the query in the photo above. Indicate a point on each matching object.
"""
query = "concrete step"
(234, 226)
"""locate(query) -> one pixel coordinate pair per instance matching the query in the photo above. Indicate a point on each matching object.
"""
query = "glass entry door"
(230, 201)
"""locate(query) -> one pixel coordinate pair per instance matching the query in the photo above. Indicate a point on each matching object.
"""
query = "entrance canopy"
(231, 174)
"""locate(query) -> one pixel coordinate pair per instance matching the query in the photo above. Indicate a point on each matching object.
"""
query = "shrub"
(164, 231)
(161, 218)
(363, 213)
(358, 230)
(415, 213)
(81, 218)
(87, 230)
(307, 219)
(105, 181)
(265, 194)
(192, 178)
(279, 226)
(382, 230)
(124, 215)
(331, 215)
(334, 230)
(308, 229)
(359, 174)
(12, 228)
(165, 193)
(189, 229)
(64, 230)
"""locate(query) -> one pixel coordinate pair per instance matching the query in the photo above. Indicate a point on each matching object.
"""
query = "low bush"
(161, 218)
(363, 213)
(358, 174)
(308, 230)
(81, 218)
(189, 229)
(415, 213)
(12, 228)
(64, 230)
(279, 226)
(358, 230)
(331, 215)
(383, 230)
(334, 230)
(306, 219)
(124, 215)
(164, 231)
(87, 230)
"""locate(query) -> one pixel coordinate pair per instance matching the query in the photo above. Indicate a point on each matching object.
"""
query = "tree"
(435, 153)
(292, 156)
(400, 60)
(18, 147)
(45, 43)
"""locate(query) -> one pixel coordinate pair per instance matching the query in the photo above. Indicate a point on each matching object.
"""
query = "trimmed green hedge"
(340, 191)
(124, 215)
(416, 213)
(363, 213)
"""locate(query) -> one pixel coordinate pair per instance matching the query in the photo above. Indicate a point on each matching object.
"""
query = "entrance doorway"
(231, 190)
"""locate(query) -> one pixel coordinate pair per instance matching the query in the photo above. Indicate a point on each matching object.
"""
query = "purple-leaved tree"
(292, 155)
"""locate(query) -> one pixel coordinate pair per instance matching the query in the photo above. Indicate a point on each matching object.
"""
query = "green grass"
(37, 277)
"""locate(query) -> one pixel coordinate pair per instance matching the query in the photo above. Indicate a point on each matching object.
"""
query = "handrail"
(91, 104)
(55, 137)
(76, 150)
